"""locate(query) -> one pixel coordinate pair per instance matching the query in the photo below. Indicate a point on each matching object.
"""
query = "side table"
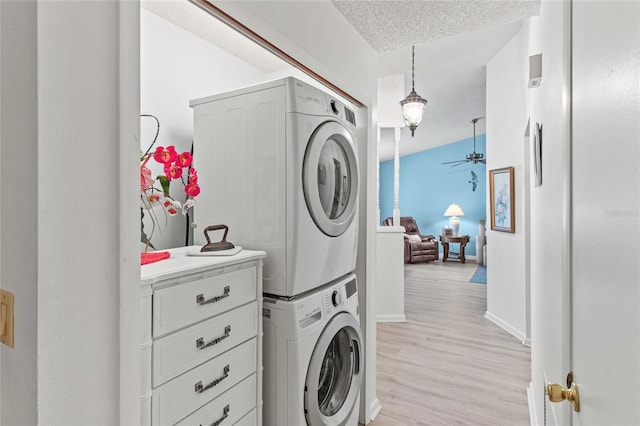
(460, 239)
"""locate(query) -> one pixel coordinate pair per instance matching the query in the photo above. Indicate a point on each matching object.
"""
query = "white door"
(605, 337)
(334, 375)
(330, 178)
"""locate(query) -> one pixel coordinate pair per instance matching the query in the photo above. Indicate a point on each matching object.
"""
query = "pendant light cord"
(474, 134)
(413, 68)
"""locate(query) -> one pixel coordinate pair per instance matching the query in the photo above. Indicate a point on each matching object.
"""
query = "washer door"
(334, 374)
(330, 178)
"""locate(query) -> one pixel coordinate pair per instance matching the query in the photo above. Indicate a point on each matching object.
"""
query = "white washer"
(312, 357)
(277, 163)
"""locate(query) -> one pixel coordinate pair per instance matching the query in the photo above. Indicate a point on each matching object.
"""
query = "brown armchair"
(424, 247)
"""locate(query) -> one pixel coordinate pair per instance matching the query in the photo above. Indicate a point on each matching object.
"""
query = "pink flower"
(192, 189)
(165, 155)
(154, 192)
(154, 198)
(193, 175)
(145, 178)
(184, 159)
(172, 171)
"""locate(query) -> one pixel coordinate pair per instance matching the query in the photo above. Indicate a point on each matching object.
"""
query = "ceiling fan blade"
(454, 165)
(456, 161)
(483, 161)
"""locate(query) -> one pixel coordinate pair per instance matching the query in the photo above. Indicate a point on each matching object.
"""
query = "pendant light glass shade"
(413, 105)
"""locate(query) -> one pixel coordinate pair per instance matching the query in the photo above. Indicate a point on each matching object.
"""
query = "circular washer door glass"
(330, 178)
(334, 375)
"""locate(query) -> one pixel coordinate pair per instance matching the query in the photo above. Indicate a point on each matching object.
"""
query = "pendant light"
(413, 105)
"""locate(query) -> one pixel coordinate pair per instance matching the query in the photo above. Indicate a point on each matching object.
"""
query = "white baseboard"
(391, 318)
(533, 420)
(506, 326)
(527, 342)
(374, 408)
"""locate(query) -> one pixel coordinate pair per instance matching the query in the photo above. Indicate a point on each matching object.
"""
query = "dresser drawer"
(182, 305)
(250, 419)
(177, 398)
(181, 351)
(229, 408)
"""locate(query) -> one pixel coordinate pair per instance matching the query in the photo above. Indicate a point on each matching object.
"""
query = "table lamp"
(453, 212)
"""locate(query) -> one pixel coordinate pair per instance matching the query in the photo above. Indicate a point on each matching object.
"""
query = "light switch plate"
(6, 318)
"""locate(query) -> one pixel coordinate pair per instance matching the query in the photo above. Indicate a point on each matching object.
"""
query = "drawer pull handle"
(225, 414)
(200, 298)
(200, 342)
(200, 388)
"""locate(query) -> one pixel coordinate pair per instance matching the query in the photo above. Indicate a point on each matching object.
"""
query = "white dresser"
(201, 339)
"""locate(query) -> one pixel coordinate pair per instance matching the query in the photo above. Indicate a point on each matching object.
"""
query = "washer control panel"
(333, 299)
(336, 297)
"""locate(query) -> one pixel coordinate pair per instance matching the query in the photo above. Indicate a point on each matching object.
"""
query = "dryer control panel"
(307, 99)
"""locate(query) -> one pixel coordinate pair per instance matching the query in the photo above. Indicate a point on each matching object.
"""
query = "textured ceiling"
(392, 25)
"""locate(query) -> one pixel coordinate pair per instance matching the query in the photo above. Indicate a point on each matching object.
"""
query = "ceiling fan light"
(474, 157)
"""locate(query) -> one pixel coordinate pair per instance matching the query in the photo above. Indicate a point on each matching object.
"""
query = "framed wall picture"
(502, 200)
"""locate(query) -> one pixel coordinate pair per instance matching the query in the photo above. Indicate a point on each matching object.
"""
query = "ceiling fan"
(474, 157)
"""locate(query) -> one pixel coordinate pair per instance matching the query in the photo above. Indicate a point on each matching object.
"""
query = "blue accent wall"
(428, 187)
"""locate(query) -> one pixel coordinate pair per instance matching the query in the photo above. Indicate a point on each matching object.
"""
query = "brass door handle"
(557, 393)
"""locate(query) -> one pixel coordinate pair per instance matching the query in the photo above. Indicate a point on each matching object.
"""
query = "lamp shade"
(412, 110)
(454, 210)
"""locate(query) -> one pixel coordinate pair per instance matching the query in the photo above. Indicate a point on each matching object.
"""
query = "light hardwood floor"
(448, 365)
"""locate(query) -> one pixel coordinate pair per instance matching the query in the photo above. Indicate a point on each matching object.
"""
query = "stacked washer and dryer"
(279, 160)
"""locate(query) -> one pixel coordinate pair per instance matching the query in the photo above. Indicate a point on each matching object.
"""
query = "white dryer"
(312, 357)
(277, 164)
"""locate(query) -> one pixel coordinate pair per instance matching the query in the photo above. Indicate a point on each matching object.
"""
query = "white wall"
(78, 239)
(507, 117)
(549, 206)
(62, 252)
(390, 274)
(175, 67)
(18, 226)
(317, 35)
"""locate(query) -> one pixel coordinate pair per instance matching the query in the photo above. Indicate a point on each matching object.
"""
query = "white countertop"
(179, 262)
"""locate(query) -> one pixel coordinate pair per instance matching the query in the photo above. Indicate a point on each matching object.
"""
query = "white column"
(378, 138)
(396, 177)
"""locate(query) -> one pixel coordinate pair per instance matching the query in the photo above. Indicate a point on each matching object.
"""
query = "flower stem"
(157, 132)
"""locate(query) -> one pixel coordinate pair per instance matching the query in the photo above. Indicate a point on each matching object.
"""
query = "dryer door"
(330, 178)
(334, 375)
